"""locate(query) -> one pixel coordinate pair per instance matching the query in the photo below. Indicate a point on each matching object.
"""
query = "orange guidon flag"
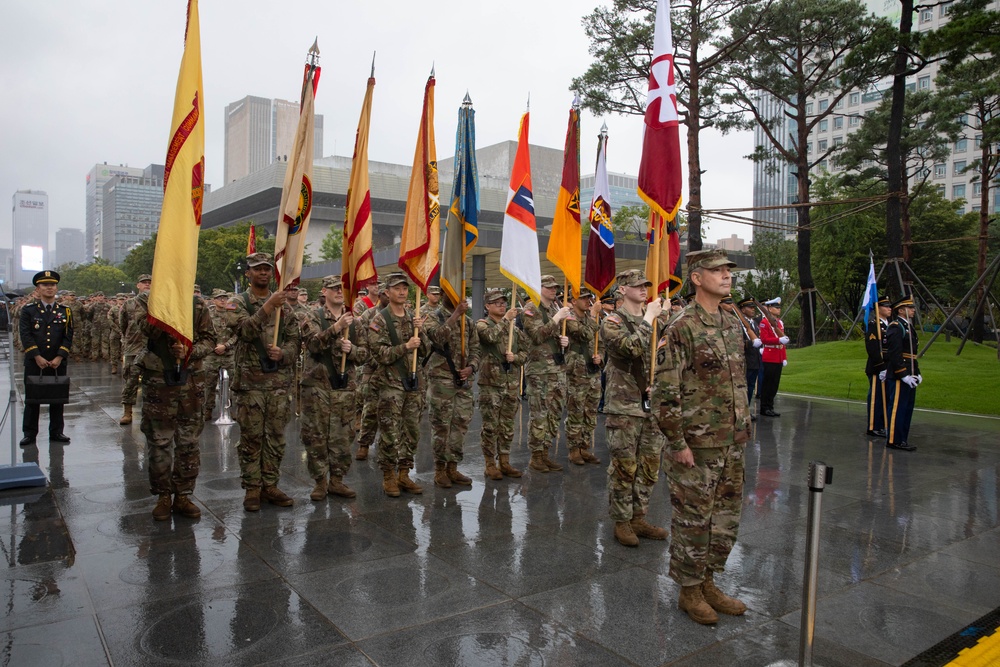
(357, 265)
(251, 241)
(176, 256)
(418, 249)
(565, 241)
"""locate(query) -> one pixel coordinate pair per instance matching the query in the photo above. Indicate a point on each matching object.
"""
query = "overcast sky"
(92, 82)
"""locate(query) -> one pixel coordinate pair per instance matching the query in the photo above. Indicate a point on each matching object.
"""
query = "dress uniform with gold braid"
(902, 375)
(46, 330)
(875, 347)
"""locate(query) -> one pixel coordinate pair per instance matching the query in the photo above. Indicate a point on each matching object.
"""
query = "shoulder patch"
(662, 342)
(374, 325)
(613, 317)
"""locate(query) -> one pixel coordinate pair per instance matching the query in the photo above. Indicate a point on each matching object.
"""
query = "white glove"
(756, 342)
(881, 376)
(783, 340)
(920, 379)
(911, 381)
(784, 363)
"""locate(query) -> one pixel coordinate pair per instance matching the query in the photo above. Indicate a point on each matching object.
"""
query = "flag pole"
(510, 330)
(654, 218)
(416, 332)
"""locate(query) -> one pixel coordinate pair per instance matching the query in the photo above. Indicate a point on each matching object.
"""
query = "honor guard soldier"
(46, 330)
(774, 357)
(634, 439)
(902, 374)
(875, 347)
(751, 345)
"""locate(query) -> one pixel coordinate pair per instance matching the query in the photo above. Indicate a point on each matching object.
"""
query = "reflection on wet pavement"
(513, 572)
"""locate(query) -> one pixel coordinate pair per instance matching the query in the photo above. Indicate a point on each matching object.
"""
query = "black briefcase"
(46, 389)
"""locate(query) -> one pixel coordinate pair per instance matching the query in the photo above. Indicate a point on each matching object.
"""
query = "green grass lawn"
(966, 383)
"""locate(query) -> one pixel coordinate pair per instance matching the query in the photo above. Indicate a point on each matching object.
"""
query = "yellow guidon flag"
(357, 264)
(566, 240)
(176, 256)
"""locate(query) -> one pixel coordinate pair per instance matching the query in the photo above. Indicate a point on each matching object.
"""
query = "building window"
(944, 10)
(926, 15)
(940, 170)
(824, 125)
(839, 104)
(809, 148)
(924, 83)
(979, 141)
(823, 165)
(940, 190)
(821, 145)
(958, 191)
(963, 119)
(837, 141)
(824, 104)
(853, 121)
(977, 189)
(838, 123)
(962, 145)
(855, 99)
(959, 168)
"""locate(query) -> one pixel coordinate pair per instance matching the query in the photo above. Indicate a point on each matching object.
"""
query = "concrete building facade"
(70, 246)
(131, 212)
(96, 179)
(30, 216)
(260, 131)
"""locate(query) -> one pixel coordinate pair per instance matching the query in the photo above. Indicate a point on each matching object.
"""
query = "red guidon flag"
(175, 261)
(565, 240)
(251, 241)
(660, 167)
(296, 194)
(357, 265)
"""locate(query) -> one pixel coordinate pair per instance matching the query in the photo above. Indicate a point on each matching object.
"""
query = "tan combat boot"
(537, 462)
(506, 468)
(719, 601)
(455, 476)
(693, 602)
(251, 501)
(127, 415)
(624, 534)
(276, 496)
(549, 463)
(184, 507)
(407, 484)
(338, 488)
(575, 457)
(441, 475)
(362, 454)
(588, 457)
(162, 510)
(319, 491)
(491, 471)
(114, 369)
(389, 483)
(643, 528)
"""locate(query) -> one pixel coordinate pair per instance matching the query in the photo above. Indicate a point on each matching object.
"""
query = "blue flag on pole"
(871, 292)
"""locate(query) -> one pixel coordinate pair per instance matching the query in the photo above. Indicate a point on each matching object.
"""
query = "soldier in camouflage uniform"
(449, 376)
(634, 440)
(133, 344)
(583, 378)
(82, 315)
(221, 355)
(545, 374)
(701, 397)
(264, 376)
(499, 382)
(394, 334)
(366, 401)
(331, 337)
(115, 332)
(173, 396)
(100, 327)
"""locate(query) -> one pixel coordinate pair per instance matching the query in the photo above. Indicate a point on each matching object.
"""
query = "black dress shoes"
(27, 441)
(877, 433)
(58, 437)
(906, 447)
(770, 413)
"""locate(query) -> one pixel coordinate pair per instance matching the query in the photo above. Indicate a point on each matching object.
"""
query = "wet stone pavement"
(513, 573)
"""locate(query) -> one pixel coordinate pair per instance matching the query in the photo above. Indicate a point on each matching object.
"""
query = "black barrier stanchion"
(820, 475)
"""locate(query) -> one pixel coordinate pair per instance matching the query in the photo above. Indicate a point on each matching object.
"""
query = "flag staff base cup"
(820, 475)
(16, 475)
(224, 418)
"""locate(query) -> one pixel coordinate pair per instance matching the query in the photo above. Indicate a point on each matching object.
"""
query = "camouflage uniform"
(100, 330)
(545, 379)
(171, 414)
(82, 314)
(499, 389)
(399, 410)
(634, 441)
(583, 387)
(328, 413)
(115, 334)
(262, 402)
(222, 320)
(701, 395)
(451, 406)
(365, 403)
(130, 320)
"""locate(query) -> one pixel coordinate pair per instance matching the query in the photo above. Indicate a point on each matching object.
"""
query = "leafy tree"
(807, 50)
(621, 42)
(140, 259)
(97, 276)
(631, 222)
(333, 244)
(774, 274)
(943, 250)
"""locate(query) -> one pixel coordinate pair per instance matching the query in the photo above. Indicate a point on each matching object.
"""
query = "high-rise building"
(31, 235)
(260, 131)
(70, 247)
(131, 212)
(96, 178)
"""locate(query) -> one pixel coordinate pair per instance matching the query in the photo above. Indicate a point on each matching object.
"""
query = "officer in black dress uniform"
(902, 374)
(46, 330)
(875, 346)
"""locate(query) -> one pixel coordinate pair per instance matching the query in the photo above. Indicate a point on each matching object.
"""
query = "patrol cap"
(45, 278)
(549, 281)
(100, 294)
(330, 282)
(394, 279)
(219, 293)
(144, 278)
(383, 287)
(905, 301)
(775, 302)
(70, 293)
(746, 301)
(433, 289)
(363, 291)
(259, 258)
(494, 295)
(708, 259)
(121, 295)
(303, 290)
(584, 294)
(633, 278)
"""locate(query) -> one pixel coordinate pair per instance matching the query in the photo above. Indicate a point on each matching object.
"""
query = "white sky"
(89, 82)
